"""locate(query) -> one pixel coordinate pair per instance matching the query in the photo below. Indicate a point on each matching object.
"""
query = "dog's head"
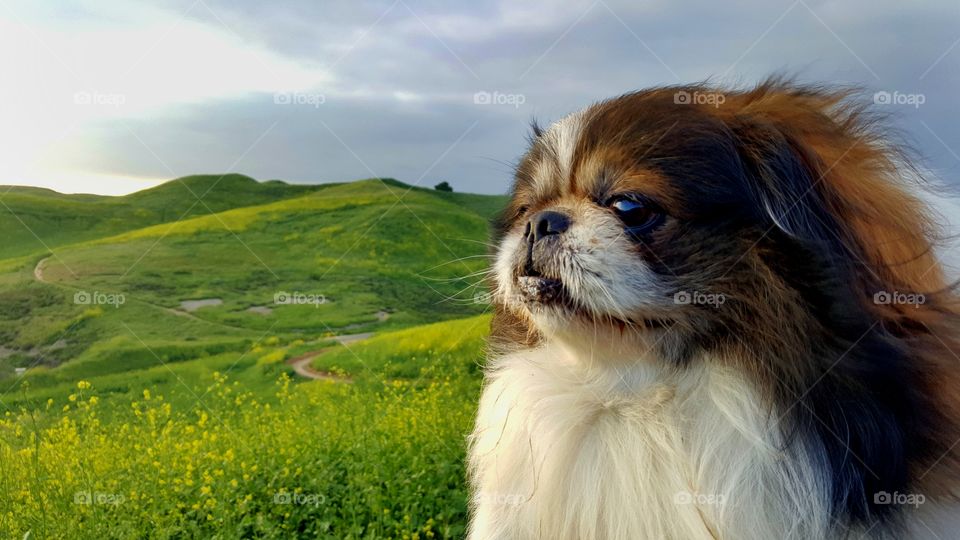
(695, 217)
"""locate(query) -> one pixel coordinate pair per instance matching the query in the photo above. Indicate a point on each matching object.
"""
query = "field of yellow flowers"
(377, 458)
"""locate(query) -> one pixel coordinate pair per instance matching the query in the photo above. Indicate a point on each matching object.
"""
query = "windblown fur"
(770, 350)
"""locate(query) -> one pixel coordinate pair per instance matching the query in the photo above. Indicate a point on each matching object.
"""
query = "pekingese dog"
(720, 315)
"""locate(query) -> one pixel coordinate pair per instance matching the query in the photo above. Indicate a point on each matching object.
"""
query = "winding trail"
(301, 364)
(38, 269)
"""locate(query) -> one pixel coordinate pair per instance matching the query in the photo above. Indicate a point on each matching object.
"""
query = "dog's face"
(642, 214)
(626, 216)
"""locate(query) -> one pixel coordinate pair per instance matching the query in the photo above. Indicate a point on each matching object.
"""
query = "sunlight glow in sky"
(73, 78)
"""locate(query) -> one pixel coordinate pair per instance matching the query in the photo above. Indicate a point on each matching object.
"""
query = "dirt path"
(301, 364)
(38, 269)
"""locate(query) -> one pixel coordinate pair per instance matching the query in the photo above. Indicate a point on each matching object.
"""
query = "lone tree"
(443, 186)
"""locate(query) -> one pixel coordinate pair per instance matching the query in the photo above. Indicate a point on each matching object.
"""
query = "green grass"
(35, 220)
(354, 245)
(187, 425)
(454, 346)
(221, 447)
(488, 206)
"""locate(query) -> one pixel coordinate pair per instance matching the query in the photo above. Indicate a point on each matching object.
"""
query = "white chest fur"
(565, 451)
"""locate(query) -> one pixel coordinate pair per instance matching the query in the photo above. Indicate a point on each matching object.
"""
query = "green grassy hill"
(303, 262)
(34, 219)
(146, 360)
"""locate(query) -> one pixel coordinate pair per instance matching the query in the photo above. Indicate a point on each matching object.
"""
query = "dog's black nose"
(546, 223)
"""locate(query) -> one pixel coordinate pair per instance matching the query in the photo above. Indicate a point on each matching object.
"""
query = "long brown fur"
(860, 180)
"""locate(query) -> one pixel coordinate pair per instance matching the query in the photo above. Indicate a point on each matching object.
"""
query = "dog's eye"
(638, 214)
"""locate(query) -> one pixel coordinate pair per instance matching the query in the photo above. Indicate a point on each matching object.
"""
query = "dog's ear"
(783, 179)
(822, 171)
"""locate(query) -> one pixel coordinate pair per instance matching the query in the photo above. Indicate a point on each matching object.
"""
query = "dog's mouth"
(538, 292)
(537, 289)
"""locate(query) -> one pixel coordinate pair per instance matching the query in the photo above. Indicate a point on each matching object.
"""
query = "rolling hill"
(126, 277)
(36, 219)
(146, 351)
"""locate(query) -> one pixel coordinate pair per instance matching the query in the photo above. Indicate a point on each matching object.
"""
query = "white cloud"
(117, 63)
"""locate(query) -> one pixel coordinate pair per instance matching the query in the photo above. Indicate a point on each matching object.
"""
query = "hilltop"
(35, 219)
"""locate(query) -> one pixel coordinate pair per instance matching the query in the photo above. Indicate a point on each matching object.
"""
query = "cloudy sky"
(112, 96)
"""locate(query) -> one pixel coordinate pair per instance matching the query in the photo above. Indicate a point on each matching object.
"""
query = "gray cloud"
(403, 90)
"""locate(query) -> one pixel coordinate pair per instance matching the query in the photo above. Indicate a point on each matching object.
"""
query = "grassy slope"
(204, 448)
(440, 347)
(34, 220)
(384, 454)
(354, 244)
(487, 206)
